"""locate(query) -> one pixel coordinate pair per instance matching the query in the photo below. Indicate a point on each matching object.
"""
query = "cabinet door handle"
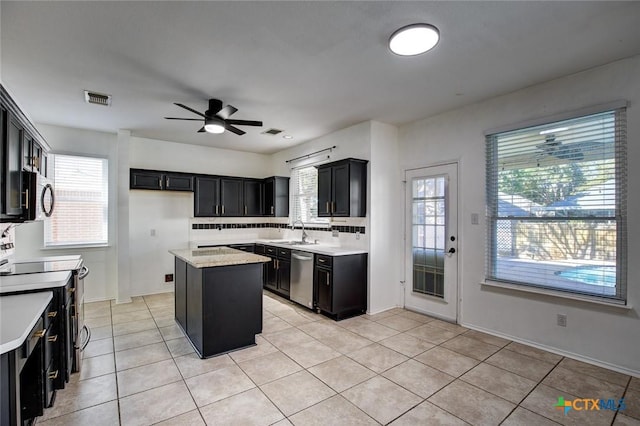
(53, 376)
(272, 212)
(160, 182)
(333, 207)
(223, 209)
(52, 314)
(327, 279)
(26, 199)
(39, 333)
(167, 181)
(52, 338)
(245, 210)
(327, 209)
(321, 260)
(217, 209)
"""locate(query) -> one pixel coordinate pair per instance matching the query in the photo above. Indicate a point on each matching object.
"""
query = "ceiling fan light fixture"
(414, 39)
(214, 125)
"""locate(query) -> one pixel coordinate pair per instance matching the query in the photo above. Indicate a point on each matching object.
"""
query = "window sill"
(558, 294)
(76, 246)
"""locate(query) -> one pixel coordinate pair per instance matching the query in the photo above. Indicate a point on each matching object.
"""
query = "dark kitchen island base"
(219, 308)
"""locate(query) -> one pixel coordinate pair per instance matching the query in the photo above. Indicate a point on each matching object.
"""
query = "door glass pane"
(429, 235)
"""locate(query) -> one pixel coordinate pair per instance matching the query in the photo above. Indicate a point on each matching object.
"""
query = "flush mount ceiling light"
(214, 125)
(414, 39)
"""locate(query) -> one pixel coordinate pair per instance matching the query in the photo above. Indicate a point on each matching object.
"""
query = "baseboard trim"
(596, 362)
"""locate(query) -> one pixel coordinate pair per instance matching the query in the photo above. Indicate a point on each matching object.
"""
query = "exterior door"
(431, 239)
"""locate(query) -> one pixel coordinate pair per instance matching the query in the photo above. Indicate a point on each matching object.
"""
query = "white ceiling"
(309, 68)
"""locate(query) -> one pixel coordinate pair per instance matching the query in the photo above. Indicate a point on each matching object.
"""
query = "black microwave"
(39, 198)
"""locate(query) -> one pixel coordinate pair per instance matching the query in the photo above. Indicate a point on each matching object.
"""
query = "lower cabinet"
(223, 307)
(340, 285)
(278, 271)
(180, 292)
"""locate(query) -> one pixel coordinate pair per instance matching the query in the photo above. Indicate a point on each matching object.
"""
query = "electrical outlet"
(357, 235)
(562, 320)
(335, 233)
(152, 232)
(475, 219)
(168, 278)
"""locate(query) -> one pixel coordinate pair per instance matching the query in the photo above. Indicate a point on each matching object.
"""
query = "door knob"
(452, 250)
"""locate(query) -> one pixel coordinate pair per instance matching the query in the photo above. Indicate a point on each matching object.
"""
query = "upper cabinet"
(276, 196)
(235, 197)
(342, 188)
(253, 194)
(23, 150)
(220, 195)
(159, 180)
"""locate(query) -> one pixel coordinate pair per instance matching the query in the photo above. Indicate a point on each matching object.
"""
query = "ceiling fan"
(216, 118)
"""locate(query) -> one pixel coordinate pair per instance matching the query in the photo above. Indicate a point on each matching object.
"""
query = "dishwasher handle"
(300, 257)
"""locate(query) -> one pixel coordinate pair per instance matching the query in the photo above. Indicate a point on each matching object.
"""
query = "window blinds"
(80, 215)
(304, 195)
(556, 205)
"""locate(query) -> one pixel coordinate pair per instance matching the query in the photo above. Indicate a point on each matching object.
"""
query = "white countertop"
(217, 256)
(313, 248)
(18, 315)
(40, 281)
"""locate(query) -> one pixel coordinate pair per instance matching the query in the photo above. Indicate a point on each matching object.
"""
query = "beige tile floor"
(396, 367)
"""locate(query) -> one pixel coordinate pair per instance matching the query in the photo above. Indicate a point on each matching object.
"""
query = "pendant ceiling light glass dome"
(414, 39)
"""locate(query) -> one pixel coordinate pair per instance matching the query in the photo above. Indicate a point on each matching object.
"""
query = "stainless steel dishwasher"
(301, 290)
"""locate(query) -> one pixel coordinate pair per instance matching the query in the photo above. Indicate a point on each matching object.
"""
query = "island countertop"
(217, 256)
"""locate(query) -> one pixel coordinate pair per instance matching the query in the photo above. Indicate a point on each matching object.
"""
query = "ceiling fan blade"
(190, 109)
(202, 130)
(227, 112)
(244, 122)
(188, 119)
(234, 130)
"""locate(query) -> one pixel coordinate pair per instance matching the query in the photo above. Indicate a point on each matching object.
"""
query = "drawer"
(269, 250)
(37, 332)
(259, 249)
(284, 253)
(325, 261)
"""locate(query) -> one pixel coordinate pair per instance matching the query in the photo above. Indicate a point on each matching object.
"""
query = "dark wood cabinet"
(342, 188)
(180, 292)
(160, 180)
(12, 189)
(206, 197)
(253, 193)
(278, 271)
(250, 248)
(276, 197)
(340, 285)
(224, 307)
(231, 197)
(23, 149)
(178, 182)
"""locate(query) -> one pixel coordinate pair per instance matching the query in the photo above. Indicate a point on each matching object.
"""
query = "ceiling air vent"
(272, 132)
(97, 98)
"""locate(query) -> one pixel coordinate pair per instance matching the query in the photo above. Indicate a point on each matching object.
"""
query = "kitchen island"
(218, 298)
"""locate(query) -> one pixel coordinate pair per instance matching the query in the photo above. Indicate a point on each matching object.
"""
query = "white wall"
(385, 213)
(610, 336)
(167, 213)
(101, 282)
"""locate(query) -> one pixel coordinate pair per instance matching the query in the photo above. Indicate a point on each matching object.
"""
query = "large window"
(556, 197)
(304, 196)
(80, 215)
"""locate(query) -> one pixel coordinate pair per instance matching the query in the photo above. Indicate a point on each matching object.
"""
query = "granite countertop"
(217, 256)
(39, 281)
(18, 315)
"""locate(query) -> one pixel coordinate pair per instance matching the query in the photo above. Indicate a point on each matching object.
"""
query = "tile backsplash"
(347, 232)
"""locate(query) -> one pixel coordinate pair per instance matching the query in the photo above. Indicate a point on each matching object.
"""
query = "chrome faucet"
(304, 234)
